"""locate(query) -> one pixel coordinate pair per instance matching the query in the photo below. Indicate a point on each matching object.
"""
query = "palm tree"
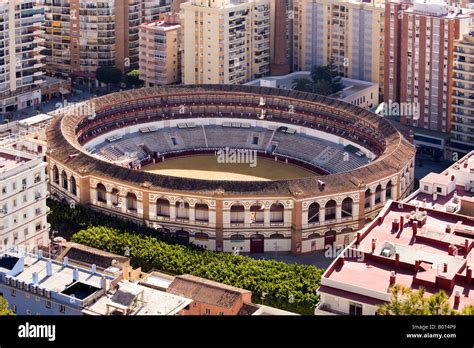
(406, 301)
(395, 306)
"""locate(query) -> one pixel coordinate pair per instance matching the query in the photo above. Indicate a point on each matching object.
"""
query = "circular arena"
(231, 168)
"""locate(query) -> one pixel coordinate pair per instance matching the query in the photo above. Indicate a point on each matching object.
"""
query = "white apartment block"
(225, 41)
(20, 61)
(23, 210)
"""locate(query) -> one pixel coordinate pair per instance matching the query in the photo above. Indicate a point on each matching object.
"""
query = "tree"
(302, 84)
(108, 75)
(325, 80)
(323, 87)
(468, 310)
(133, 78)
(320, 73)
(4, 307)
(335, 78)
(406, 301)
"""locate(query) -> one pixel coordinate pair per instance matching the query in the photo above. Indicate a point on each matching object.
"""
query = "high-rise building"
(462, 139)
(83, 35)
(160, 55)
(20, 61)
(419, 53)
(226, 41)
(349, 31)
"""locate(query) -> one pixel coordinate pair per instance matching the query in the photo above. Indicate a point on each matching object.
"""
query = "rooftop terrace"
(423, 247)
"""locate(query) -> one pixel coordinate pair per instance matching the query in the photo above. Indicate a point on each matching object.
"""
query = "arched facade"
(291, 215)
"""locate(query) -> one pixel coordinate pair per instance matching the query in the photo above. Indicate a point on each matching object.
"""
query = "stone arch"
(347, 207)
(330, 210)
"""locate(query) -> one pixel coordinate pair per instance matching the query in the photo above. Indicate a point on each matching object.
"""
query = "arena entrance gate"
(329, 238)
(257, 243)
(183, 236)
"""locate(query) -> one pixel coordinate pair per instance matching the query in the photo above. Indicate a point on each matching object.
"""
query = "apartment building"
(160, 55)
(36, 285)
(462, 139)
(83, 35)
(225, 41)
(23, 210)
(350, 31)
(20, 61)
(419, 59)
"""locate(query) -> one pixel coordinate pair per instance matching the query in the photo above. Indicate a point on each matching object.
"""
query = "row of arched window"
(63, 181)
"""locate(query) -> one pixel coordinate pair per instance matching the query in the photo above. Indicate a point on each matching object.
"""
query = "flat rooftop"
(9, 161)
(154, 302)
(62, 279)
(423, 261)
(459, 177)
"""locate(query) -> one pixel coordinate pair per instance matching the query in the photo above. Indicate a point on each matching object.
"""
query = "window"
(62, 309)
(221, 313)
(355, 308)
(439, 189)
(425, 187)
(208, 311)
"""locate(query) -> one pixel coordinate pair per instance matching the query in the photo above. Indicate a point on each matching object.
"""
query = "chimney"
(397, 259)
(49, 268)
(466, 245)
(40, 254)
(75, 275)
(417, 265)
(401, 224)
(341, 260)
(358, 238)
(66, 261)
(457, 298)
(395, 225)
(415, 228)
(445, 267)
(103, 283)
(393, 278)
(448, 228)
(469, 274)
(94, 269)
(35, 279)
(374, 244)
(435, 196)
